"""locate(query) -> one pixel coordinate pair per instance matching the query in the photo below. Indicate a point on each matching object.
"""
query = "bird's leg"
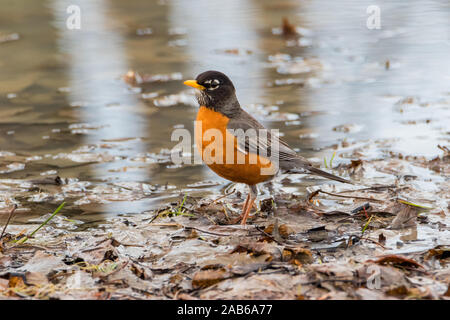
(246, 210)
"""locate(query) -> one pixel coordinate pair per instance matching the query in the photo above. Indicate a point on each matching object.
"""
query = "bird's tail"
(327, 175)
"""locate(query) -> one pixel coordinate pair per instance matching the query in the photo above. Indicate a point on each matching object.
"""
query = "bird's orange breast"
(219, 150)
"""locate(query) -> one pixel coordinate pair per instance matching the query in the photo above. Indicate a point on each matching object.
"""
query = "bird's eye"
(212, 84)
(215, 84)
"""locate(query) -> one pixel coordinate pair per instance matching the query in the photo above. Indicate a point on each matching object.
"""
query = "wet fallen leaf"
(406, 217)
(297, 255)
(16, 281)
(49, 180)
(388, 275)
(141, 272)
(44, 263)
(185, 296)
(36, 279)
(400, 291)
(284, 230)
(242, 270)
(95, 255)
(4, 284)
(439, 252)
(206, 278)
(398, 261)
(259, 248)
(381, 238)
(255, 286)
(447, 293)
(337, 270)
(288, 28)
(368, 294)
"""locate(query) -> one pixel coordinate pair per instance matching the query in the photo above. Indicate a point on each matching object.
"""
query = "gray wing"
(255, 138)
(258, 139)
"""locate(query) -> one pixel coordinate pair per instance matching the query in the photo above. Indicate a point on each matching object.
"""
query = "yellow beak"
(194, 84)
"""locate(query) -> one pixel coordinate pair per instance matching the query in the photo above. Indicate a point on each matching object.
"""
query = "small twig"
(173, 224)
(225, 212)
(225, 195)
(158, 212)
(319, 281)
(368, 239)
(210, 219)
(391, 186)
(350, 197)
(205, 231)
(11, 213)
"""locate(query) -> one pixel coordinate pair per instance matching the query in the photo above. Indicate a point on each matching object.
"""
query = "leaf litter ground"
(385, 240)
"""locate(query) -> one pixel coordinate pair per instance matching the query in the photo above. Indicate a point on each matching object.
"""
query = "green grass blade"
(181, 205)
(415, 205)
(367, 224)
(331, 161)
(24, 239)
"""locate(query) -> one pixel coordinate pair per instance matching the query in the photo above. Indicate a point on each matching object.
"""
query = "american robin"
(235, 145)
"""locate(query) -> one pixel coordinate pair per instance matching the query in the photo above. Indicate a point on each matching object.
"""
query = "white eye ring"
(214, 84)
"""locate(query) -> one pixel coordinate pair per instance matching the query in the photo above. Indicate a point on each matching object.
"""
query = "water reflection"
(71, 92)
(96, 62)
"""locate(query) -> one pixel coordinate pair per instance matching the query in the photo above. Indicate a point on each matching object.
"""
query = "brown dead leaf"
(141, 272)
(16, 281)
(36, 279)
(185, 296)
(206, 278)
(105, 251)
(355, 165)
(4, 284)
(259, 248)
(284, 230)
(388, 275)
(245, 269)
(297, 254)
(400, 291)
(397, 261)
(368, 294)
(406, 216)
(288, 28)
(256, 287)
(447, 293)
(44, 263)
(381, 238)
(334, 269)
(440, 252)
(176, 278)
(403, 292)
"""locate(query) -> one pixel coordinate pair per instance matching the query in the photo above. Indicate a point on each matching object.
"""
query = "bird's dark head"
(215, 91)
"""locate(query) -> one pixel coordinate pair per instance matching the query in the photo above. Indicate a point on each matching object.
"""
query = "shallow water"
(66, 110)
